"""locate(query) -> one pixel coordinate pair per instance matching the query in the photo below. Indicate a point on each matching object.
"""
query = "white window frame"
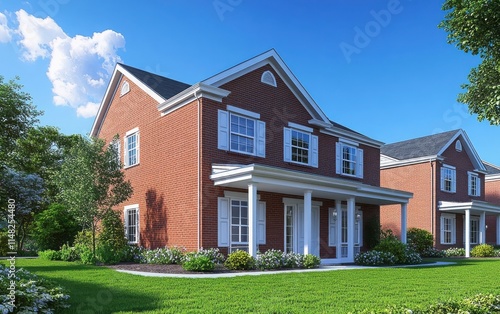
(115, 143)
(125, 88)
(268, 78)
(126, 151)
(357, 162)
(126, 211)
(225, 133)
(333, 224)
(312, 150)
(474, 184)
(448, 173)
(453, 228)
(474, 230)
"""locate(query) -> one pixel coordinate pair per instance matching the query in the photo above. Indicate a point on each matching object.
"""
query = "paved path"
(268, 272)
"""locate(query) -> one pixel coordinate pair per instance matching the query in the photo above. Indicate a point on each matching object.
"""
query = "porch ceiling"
(475, 207)
(278, 180)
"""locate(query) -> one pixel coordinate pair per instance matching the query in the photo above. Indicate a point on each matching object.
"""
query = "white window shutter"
(441, 228)
(338, 159)
(332, 228)
(125, 152)
(223, 222)
(469, 185)
(442, 179)
(138, 227)
(261, 223)
(359, 163)
(454, 181)
(137, 148)
(314, 151)
(223, 130)
(287, 140)
(125, 222)
(261, 139)
(478, 186)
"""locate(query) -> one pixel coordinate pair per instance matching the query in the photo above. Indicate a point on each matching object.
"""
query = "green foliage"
(32, 294)
(133, 253)
(198, 263)
(4, 243)
(371, 231)
(50, 255)
(164, 256)
(402, 253)
(239, 260)
(112, 243)
(311, 261)
(69, 253)
(483, 250)
(419, 239)
(54, 227)
(454, 252)
(375, 258)
(473, 27)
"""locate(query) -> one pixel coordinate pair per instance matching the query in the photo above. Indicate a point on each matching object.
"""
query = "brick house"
(242, 160)
(492, 191)
(447, 179)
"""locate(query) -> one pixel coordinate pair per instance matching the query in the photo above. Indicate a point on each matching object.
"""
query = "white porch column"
(350, 228)
(498, 229)
(482, 228)
(307, 221)
(338, 207)
(252, 219)
(467, 233)
(404, 208)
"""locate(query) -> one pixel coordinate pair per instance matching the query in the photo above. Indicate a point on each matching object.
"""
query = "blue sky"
(382, 67)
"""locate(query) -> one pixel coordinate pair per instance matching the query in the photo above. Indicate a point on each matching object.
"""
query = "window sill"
(230, 152)
(300, 164)
(132, 166)
(449, 192)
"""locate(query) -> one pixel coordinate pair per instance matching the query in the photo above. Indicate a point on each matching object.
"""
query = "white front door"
(294, 229)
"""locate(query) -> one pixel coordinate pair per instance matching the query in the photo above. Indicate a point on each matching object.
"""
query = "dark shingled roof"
(491, 169)
(418, 147)
(165, 87)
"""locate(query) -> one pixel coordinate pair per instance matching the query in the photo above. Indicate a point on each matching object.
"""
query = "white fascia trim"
(243, 112)
(492, 177)
(134, 130)
(469, 149)
(191, 94)
(474, 205)
(299, 201)
(411, 161)
(348, 142)
(238, 195)
(320, 123)
(449, 166)
(360, 139)
(300, 127)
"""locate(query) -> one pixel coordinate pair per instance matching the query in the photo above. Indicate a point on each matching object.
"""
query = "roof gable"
(491, 169)
(429, 147)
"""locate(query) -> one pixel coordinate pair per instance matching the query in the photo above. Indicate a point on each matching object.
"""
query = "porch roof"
(475, 207)
(279, 180)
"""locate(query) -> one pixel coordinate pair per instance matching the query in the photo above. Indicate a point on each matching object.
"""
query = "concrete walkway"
(270, 272)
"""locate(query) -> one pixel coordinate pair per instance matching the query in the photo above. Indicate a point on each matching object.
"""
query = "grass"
(103, 290)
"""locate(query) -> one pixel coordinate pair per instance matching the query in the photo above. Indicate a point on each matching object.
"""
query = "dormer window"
(268, 78)
(458, 146)
(125, 88)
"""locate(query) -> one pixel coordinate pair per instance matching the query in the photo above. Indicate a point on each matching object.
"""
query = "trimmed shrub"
(239, 260)
(394, 246)
(433, 252)
(454, 252)
(69, 253)
(33, 294)
(133, 253)
(496, 253)
(51, 255)
(483, 250)
(164, 256)
(311, 261)
(200, 263)
(112, 243)
(83, 246)
(420, 240)
(375, 258)
(272, 259)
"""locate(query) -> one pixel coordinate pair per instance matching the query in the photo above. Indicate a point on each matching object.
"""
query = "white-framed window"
(268, 78)
(448, 229)
(233, 228)
(300, 145)
(115, 146)
(448, 179)
(241, 131)
(131, 217)
(131, 149)
(474, 230)
(333, 217)
(458, 146)
(349, 159)
(125, 88)
(474, 184)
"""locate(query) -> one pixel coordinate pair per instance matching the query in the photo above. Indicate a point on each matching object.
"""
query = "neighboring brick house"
(447, 179)
(242, 160)
(492, 191)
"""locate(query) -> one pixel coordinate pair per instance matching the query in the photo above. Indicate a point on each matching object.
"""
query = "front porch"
(343, 216)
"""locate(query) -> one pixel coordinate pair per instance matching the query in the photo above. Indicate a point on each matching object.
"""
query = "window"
(131, 214)
(349, 160)
(115, 146)
(268, 78)
(458, 146)
(239, 225)
(474, 230)
(448, 179)
(240, 131)
(131, 150)
(125, 88)
(300, 146)
(358, 227)
(474, 184)
(448, 234)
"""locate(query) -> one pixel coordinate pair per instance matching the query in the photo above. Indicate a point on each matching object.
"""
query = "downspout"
(433, 203)
(198, 170)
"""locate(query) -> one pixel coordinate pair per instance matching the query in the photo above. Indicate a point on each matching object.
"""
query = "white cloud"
(87, 111)
(5, 31)
(79, 66)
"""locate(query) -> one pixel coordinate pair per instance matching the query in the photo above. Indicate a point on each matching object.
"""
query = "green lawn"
(103, 290)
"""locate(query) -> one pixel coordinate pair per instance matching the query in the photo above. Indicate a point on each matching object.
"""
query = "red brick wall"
(165, 181)
(492, 191)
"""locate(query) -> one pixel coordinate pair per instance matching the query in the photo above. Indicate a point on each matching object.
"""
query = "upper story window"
(448, 179)
(131, 150)
(241, 131)
(268, 78)
(115, 146)
(300, 146)
(474, 184)
(349, 159)
(125, 88)
(458, 146)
